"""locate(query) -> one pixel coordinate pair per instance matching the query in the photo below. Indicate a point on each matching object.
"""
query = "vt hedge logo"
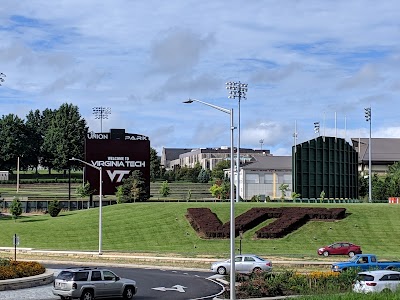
(208, 225)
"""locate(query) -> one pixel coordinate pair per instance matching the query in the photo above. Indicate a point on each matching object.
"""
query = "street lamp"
(368, 119)
(101, 113)
(232, 234)
(316, 128)
(100, 198)
(237, 90)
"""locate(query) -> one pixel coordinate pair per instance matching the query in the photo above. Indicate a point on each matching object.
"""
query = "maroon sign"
(118, 154)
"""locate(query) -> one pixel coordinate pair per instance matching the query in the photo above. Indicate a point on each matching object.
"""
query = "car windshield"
(354, 259)
(364, 277)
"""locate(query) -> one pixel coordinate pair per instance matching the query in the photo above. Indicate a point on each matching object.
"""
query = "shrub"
(19, 269)
(54, 208)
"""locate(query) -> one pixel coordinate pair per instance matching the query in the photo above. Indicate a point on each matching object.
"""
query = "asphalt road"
(166, 284)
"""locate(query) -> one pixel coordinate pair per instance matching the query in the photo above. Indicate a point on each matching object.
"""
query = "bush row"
(289, 282)
(208, 225)
(18, 269)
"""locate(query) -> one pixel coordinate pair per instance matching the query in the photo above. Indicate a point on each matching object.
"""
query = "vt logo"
(120, 173)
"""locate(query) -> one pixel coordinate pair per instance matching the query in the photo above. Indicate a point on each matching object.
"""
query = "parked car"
(246, 263)
(376, 281)
(365, 262)
(88, 283)
(340, 248)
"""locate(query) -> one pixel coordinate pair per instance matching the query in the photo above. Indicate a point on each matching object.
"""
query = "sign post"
(16, 243)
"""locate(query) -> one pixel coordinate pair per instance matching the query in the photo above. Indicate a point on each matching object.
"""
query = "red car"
(341, 248)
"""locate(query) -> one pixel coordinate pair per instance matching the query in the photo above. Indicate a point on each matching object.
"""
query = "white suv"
(89, 283)
(376, 281)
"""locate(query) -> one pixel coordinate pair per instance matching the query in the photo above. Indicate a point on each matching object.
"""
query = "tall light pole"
(237, 90)
(294, 156)
(2, 75)
(368, 119)
(232, 234)
(316, 128)
(100, 200)
(101, 113)
(261, 143)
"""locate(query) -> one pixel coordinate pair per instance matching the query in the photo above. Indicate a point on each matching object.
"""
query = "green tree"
(54, 208)
(13, 141)
(218, 170)
(322, 196)
(16, 208)
(34, 128)
(164, 189)
(84, 190)
(283, 188)
(220, 189)
(133, 188)
(155, 165)
(65, 136)
(295, 196)
(204, 176)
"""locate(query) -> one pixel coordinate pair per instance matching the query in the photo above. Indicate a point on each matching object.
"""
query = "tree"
(84, 190)
(164, 189)
(220, 189)
(322, 196)
(54, 208)
(218, 170)
(295, 196)
(155, 165)
(283, 188)
(13, 141)
(16, 208)
(65, 136)
(34, 129)
(133, 188)
(204, 176)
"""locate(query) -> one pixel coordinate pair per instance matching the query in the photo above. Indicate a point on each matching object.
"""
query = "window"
(65, 275)
(96, 276)
(248, 258)
(108, 275)
(390, 277)
(81, 276)
(238, 259)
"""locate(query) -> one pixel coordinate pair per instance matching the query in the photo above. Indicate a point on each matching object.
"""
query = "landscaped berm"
(10, 269)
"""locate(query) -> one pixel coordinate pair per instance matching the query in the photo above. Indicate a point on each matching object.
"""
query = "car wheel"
(351, 254)
(129, 292)
(87, 295)
(326, 253)
(387, 291)
(257, 270)
(221, 271)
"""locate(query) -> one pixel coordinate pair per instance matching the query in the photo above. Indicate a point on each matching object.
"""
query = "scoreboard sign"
(118, 154)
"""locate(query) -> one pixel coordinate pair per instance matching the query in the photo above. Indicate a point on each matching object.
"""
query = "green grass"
(163, 228)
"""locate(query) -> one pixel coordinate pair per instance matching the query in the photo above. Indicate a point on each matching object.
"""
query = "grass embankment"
(163, 228)
(353, 296)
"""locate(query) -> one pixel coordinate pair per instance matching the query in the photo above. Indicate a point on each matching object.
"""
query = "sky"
(304, 62)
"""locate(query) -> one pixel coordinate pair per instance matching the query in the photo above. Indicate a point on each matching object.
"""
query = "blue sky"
(304, 62)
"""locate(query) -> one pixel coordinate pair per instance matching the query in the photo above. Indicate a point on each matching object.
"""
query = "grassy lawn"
(353, 296)
(163, 228)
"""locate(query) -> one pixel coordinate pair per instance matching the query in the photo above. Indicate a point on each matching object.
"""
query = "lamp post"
(100, 199)
(237, 90)
(101, 113)
(368, 119)
(316, 128)
(232, 201)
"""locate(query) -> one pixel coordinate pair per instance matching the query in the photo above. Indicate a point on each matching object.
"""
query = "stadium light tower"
(237, 90)
(2, 75)
(368, 119)
(232, 234)
(101, 113)
(316, 128)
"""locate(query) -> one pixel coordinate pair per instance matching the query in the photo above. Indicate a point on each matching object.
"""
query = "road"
(166, 284)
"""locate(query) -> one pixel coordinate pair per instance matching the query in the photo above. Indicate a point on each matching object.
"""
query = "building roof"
(383, 150)
(173, 153)
(265, 162)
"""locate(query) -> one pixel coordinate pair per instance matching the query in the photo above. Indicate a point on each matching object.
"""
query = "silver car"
(376, 281)
(88, 283)
(246, 263)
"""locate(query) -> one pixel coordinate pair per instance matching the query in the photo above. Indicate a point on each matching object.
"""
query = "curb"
(27, 282)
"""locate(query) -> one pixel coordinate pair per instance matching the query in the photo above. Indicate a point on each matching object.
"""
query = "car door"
(239, 264)
(344, 248)
(249, 263)
(97, 281)
(389, 281)
(335, 249)
(112, 287)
